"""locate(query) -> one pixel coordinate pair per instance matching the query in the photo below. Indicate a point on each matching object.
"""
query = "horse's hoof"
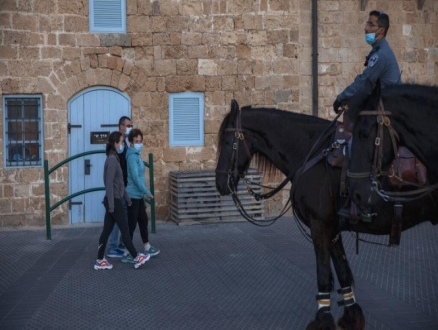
(352, 319)
(323, 321)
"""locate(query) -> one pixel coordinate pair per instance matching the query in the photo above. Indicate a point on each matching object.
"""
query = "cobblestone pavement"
(219, 276)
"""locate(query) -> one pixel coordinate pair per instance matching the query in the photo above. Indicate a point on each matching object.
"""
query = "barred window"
(22, 131)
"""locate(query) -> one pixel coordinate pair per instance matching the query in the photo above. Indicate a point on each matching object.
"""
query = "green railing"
(49, 208)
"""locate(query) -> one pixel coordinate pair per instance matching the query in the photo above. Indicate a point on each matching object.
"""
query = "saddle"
(407, 170)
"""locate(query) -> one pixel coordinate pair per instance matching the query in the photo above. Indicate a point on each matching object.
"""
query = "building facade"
(70, 69)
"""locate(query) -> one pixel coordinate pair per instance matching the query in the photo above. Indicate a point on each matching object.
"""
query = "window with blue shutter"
(107, 16)
(186, 119)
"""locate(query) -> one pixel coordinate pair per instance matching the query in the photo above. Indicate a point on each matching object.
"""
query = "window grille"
(22, 131)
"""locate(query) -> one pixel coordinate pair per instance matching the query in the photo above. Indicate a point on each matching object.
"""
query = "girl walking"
(115, 212)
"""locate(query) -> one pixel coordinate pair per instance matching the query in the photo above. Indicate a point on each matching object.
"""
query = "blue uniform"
(381, 64)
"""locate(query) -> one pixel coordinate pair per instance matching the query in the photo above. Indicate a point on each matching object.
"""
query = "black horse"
(384, 120)
(284, 139)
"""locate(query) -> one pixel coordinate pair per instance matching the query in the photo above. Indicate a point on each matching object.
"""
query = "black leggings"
(137, 214)
(118, 216)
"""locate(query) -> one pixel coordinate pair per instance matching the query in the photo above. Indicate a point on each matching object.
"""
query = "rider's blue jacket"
(380, 64)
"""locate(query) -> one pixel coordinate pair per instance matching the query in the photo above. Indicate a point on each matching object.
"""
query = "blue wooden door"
(93, 113)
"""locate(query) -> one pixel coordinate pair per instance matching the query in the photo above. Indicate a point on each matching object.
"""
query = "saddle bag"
(407, 171)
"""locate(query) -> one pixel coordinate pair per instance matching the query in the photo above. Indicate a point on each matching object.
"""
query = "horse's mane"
(259, 161)
(425, 95)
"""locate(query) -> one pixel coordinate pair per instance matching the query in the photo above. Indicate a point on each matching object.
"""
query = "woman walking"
(115, 212)
(137, 189)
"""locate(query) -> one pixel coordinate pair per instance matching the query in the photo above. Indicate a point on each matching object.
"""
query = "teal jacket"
(136, 187)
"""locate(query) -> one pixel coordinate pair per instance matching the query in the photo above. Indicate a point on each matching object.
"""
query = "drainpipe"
(315, 58)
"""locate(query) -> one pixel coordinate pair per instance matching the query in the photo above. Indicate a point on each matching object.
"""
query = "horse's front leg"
(321, 243)
(353, 317)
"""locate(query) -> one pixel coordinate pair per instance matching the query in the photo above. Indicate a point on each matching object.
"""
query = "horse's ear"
(234, 105)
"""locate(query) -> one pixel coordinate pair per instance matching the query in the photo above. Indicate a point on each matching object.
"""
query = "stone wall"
(255, 51)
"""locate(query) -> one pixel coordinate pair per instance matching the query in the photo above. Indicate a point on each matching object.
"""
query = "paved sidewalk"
(221, 276)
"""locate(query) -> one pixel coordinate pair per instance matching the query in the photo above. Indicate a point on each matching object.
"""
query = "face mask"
(121, 148)
(128, 130)
(138, 146)
(370, 38)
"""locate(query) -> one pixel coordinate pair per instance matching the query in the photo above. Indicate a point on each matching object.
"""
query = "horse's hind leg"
(353, 317)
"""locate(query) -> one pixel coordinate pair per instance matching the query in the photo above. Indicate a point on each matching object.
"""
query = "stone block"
(175, 52)
(51, 52)
(141, 39)
(223, 23)
(115, 78)
(68, 7)
(9, 52)
(16, 38)
(279, 5)
(191, 38)
(67, 39)
(88, 40)
(75, 66)
(27, 22)
(103, 76)
(192, 9)
(141, 99)
(22, 190)
(76, 24)
(211, 39)
(227, 67)
(168, 7)
(9, 220)
(233, 38)
(138, 24)
(213, 83)
(197, 52)
(161, 39)
(70, 53)
(175, 154)
(207, 67)
(185, 83)
(278, 36)
(252, 22)
(244, 67)
(256, 37)
(73, 84)
(19, 68)
(238, 7)
(9, 85)
(282, 96)
(228, 83)
(164, 67)
(186, 67)
(177, 23)
(158, 24)
(132, 7)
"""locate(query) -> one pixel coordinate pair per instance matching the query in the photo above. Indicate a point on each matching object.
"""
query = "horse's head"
(372, 146)
(234, 151)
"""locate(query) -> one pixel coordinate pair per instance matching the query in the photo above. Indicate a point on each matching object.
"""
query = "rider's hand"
(336, 105)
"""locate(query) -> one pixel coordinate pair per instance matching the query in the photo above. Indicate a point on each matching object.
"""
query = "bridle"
(382, 121)
(233, 174)
(376, 172)
(233, 171)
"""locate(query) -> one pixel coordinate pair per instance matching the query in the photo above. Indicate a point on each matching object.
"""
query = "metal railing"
(48, 171)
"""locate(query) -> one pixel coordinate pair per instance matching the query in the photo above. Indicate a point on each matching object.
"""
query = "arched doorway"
(92, 113)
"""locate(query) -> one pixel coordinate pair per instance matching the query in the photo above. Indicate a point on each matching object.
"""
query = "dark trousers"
(137, 214)
(118, 216)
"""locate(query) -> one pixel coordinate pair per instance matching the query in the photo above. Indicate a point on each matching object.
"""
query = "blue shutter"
(186, 119)
(107, 16)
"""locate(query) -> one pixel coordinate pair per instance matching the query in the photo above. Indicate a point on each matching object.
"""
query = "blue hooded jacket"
(136, 187)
